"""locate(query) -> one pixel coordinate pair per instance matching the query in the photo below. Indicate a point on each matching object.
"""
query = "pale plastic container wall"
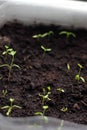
(60, 12)
(37, 123)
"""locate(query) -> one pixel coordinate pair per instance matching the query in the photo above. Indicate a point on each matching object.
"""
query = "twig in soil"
(85, 104)
(1, 77)
(4, 93)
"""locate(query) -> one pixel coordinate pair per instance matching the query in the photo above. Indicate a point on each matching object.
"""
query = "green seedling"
(45, 50)
(12, 53)
(45, 95)
(78, 76)
(68, 34)
(68, 67)
(60, 90)
(43, 35)
(4, 93)
(10, 107)
(43, 112)
(64, 109)
(7, 50)
(45, 98)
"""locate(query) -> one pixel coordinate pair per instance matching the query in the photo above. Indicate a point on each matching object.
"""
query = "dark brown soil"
(38, 71)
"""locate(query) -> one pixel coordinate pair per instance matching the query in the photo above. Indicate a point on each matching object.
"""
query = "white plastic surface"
(37, 123)
(60, 12)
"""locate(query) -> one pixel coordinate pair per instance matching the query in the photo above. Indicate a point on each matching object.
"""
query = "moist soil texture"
(39, 70)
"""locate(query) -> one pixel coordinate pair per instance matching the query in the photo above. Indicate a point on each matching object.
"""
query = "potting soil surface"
(39, 69)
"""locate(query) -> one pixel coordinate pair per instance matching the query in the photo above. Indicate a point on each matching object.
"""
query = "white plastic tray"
(60, 12)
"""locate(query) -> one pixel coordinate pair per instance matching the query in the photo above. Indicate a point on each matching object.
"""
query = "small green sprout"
(45, 97)
(11, 52)
(60, 90)
(78, 76)
(7, 50)
(43, 35)
(43, 112)
(45, 50)
(68, 34)
(4, 92)
(68, 67)
(64, 109)
(10, 107)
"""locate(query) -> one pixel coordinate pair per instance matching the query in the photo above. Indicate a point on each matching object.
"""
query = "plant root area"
(40, 70)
